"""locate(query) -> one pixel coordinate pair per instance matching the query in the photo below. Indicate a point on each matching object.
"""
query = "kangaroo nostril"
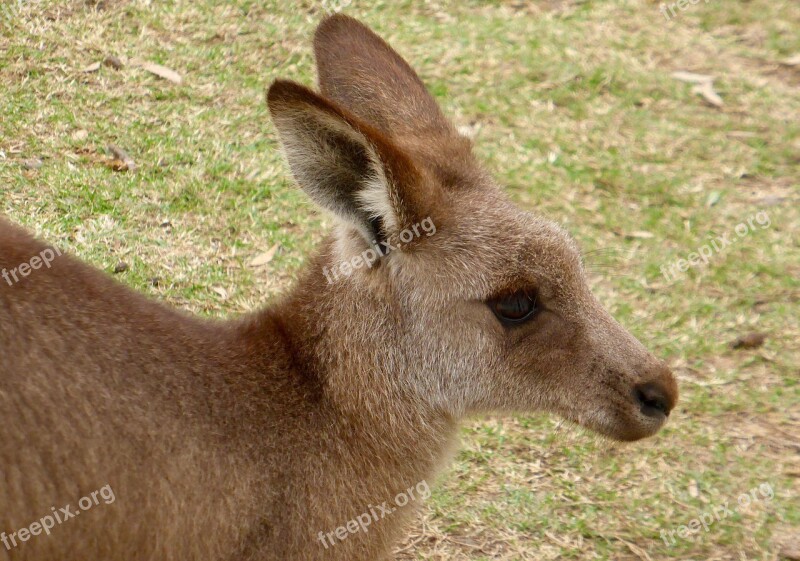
(653, 399)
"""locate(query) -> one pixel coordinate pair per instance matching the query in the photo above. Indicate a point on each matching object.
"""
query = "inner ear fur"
(348, 166)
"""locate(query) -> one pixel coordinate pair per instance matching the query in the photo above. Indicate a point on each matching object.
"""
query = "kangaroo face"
(491, 309)
(506, 321)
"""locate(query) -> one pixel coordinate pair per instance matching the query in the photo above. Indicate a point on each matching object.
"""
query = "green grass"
(577, 115)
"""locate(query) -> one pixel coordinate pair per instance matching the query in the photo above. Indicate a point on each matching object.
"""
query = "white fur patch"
(376, 200)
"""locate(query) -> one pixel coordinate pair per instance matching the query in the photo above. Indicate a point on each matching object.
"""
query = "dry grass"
(576, 112)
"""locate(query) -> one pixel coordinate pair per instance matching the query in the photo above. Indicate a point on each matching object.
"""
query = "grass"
(576, 112)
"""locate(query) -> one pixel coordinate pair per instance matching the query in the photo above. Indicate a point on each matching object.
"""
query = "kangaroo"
(288, 434)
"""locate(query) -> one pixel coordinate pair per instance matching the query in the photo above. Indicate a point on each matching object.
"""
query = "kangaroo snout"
(652, 400)
(657, 398)
(635, 391)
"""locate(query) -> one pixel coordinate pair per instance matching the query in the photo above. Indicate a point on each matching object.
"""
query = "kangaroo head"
(487, 305)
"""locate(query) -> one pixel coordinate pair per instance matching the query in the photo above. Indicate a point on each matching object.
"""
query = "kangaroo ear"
(347, 166)
(361, 72)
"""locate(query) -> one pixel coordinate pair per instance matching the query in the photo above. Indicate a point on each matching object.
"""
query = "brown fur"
(243, 440)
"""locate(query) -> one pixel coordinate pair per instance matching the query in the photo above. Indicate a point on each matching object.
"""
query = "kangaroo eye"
(514, 308)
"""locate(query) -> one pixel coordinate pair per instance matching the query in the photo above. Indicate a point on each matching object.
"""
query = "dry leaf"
(32, 164)
(640, 235)
(264, 258)
(792, 61)
(742, 134)
(692, 78)
(94, 67)
(713, 198)
(706, 91)
(221, 291)
(80, 135)
(703, 86)
(749, 341)
(162, 72)
(694, 491)
(121, 161)
(772, 200)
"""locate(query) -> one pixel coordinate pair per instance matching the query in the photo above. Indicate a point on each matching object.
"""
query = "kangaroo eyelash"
(515, 308)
